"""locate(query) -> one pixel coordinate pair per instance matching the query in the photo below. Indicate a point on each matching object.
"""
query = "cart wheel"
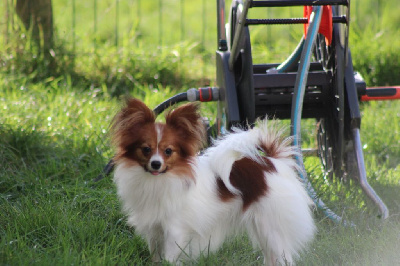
(325, 148)
(330, 136)
(243, 66)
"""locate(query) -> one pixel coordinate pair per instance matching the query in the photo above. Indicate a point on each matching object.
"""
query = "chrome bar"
(277, 21)
(282, 3)
(238, 34)
(308, 152)
(366, 187)
(221, 23)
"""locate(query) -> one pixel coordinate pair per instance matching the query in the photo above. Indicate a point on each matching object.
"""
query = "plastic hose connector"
(193, 95)
(203, 94)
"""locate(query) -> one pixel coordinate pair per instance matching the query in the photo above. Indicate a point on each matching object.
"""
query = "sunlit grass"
(54, 141)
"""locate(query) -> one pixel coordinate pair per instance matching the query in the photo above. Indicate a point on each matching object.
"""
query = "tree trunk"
(37, 16)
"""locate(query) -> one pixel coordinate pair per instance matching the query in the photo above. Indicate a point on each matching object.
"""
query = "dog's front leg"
(175, 245)
(155, 242)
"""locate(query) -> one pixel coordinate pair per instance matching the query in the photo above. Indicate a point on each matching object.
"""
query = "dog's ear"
(187, 120)
(136, 112)
(128, 122)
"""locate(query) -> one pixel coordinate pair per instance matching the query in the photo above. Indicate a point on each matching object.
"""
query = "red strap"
(326, 26)
(202, 99)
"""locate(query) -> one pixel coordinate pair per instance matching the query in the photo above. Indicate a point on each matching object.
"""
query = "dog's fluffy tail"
(267, 139)
(280, 220)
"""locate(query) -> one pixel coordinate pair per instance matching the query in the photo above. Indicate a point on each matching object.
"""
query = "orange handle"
(381, 93)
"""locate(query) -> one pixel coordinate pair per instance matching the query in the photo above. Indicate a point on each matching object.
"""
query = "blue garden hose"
(297, 107)
(291, 62)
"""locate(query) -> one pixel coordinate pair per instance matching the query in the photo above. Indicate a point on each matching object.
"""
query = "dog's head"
(158, 147)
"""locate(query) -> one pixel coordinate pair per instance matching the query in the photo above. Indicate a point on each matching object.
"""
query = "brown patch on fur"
(271, 150)
(224, 194)
(277, 148)
(186, 123)
(248, 177)
(182, 169)
(128, 128)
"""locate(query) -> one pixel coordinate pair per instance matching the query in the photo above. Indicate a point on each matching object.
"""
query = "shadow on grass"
(31, 158)
(50, 212)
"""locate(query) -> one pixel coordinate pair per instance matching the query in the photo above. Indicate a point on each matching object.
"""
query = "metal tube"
(281, 3)
(276, 21)
(221, 22)
(238, 34)
(366, 187)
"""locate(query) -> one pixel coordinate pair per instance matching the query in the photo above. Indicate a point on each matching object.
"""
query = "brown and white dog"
(184, 204)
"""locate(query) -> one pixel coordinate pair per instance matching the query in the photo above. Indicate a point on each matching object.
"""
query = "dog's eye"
(168, 151)
(146, 150)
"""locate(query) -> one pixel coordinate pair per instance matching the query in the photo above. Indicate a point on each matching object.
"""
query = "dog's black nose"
(155, 165)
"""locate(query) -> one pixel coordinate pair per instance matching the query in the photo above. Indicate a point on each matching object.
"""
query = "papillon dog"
(185, 204)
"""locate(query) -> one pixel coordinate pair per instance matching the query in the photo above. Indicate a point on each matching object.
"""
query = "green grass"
(54, 140)
(52, 213)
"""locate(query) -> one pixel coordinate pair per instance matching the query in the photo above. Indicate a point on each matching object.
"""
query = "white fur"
(176, 214)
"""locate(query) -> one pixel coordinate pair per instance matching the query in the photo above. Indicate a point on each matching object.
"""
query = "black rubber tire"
(331, 142)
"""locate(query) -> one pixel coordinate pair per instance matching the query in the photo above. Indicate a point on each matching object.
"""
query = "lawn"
(54, 141)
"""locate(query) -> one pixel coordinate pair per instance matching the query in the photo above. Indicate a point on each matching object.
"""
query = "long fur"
(247, 181)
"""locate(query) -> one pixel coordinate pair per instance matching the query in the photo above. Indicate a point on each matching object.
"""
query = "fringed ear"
(187, 120)
(128, 122)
